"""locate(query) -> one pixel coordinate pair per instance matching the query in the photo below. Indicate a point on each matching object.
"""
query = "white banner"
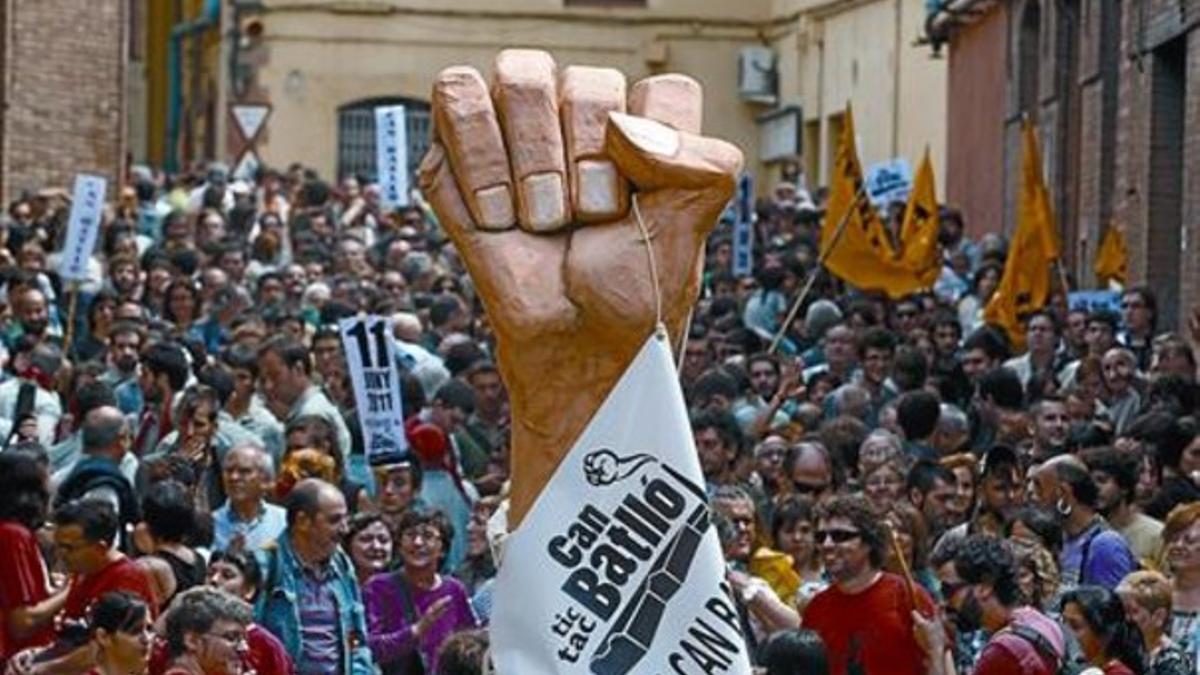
(391, 155)
(372, 365)
(87, 207)
(616, 568)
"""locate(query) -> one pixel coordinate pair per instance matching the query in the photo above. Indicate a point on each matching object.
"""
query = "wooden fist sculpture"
(535, 179)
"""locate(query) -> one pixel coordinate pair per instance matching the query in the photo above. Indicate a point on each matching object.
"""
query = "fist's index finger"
(470, 134)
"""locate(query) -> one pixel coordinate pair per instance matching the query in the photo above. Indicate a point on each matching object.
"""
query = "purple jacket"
(388, 629)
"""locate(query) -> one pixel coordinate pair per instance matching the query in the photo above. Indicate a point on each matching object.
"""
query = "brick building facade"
(62, 96)
(1114, 87)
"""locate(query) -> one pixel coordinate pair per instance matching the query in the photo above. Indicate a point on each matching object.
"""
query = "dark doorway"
(1168, 94)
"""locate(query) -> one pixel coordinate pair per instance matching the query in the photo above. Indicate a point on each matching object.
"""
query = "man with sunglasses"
(865, 617)
(809, 467)
(981, 591)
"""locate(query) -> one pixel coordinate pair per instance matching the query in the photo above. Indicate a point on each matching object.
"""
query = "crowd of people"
(895, 488)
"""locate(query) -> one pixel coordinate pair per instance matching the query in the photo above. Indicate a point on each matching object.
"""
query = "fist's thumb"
(655, 156)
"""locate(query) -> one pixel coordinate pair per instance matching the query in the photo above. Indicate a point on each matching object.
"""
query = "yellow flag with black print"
(862, 255)
(1025, 286)
(919, 252)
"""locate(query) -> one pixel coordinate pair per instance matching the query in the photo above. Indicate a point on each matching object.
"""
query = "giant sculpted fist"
(538, 179)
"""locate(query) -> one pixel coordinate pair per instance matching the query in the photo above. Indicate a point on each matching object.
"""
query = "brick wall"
(1118, 112)
(1161, 214)
(64, 90)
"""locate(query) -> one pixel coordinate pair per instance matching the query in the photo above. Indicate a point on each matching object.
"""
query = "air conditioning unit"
(758, 75)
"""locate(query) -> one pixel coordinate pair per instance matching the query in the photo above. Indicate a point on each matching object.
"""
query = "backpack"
(1062, 664)
(91, 473)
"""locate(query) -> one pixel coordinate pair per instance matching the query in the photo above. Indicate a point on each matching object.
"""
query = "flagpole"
(1062, 278)
(812, 278)
(72, 306)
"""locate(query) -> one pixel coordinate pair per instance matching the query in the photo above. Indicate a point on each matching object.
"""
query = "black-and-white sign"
(616, 569)
(372, 364)
(87, 207)
(391, 155)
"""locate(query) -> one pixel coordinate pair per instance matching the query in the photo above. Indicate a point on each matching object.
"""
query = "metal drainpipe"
(184, 29)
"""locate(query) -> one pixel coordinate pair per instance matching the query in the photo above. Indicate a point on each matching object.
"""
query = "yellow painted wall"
(312, 69)
(322, 55)
(848, 51)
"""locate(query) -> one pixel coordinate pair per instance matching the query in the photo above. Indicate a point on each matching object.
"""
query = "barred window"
(356, 135)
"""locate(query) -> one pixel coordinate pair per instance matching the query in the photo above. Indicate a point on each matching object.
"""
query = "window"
(356, 135)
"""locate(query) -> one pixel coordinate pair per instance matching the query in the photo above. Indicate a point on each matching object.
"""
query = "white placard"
(616, 568)
(889, 181)
(743, 228)
(391, 155)
(372, 364)
(87, 206)
(250, 118)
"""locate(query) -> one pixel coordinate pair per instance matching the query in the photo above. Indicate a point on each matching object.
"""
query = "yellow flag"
(1025, 286)
(1042, 213)
(1112, 259)
(919, 234)
(863, 255)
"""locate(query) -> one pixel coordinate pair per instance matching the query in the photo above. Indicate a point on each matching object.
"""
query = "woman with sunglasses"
(119, 625)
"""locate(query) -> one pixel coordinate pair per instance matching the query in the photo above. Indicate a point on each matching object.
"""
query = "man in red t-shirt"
(979, 584)
(865, 617)
(83, 535)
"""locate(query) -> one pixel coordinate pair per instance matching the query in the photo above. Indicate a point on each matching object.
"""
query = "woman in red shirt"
(26, 607)
(119, 624)
(238, 573)
(1108, 639)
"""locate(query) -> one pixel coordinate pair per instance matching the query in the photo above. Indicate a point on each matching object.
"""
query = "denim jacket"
(278, 606)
